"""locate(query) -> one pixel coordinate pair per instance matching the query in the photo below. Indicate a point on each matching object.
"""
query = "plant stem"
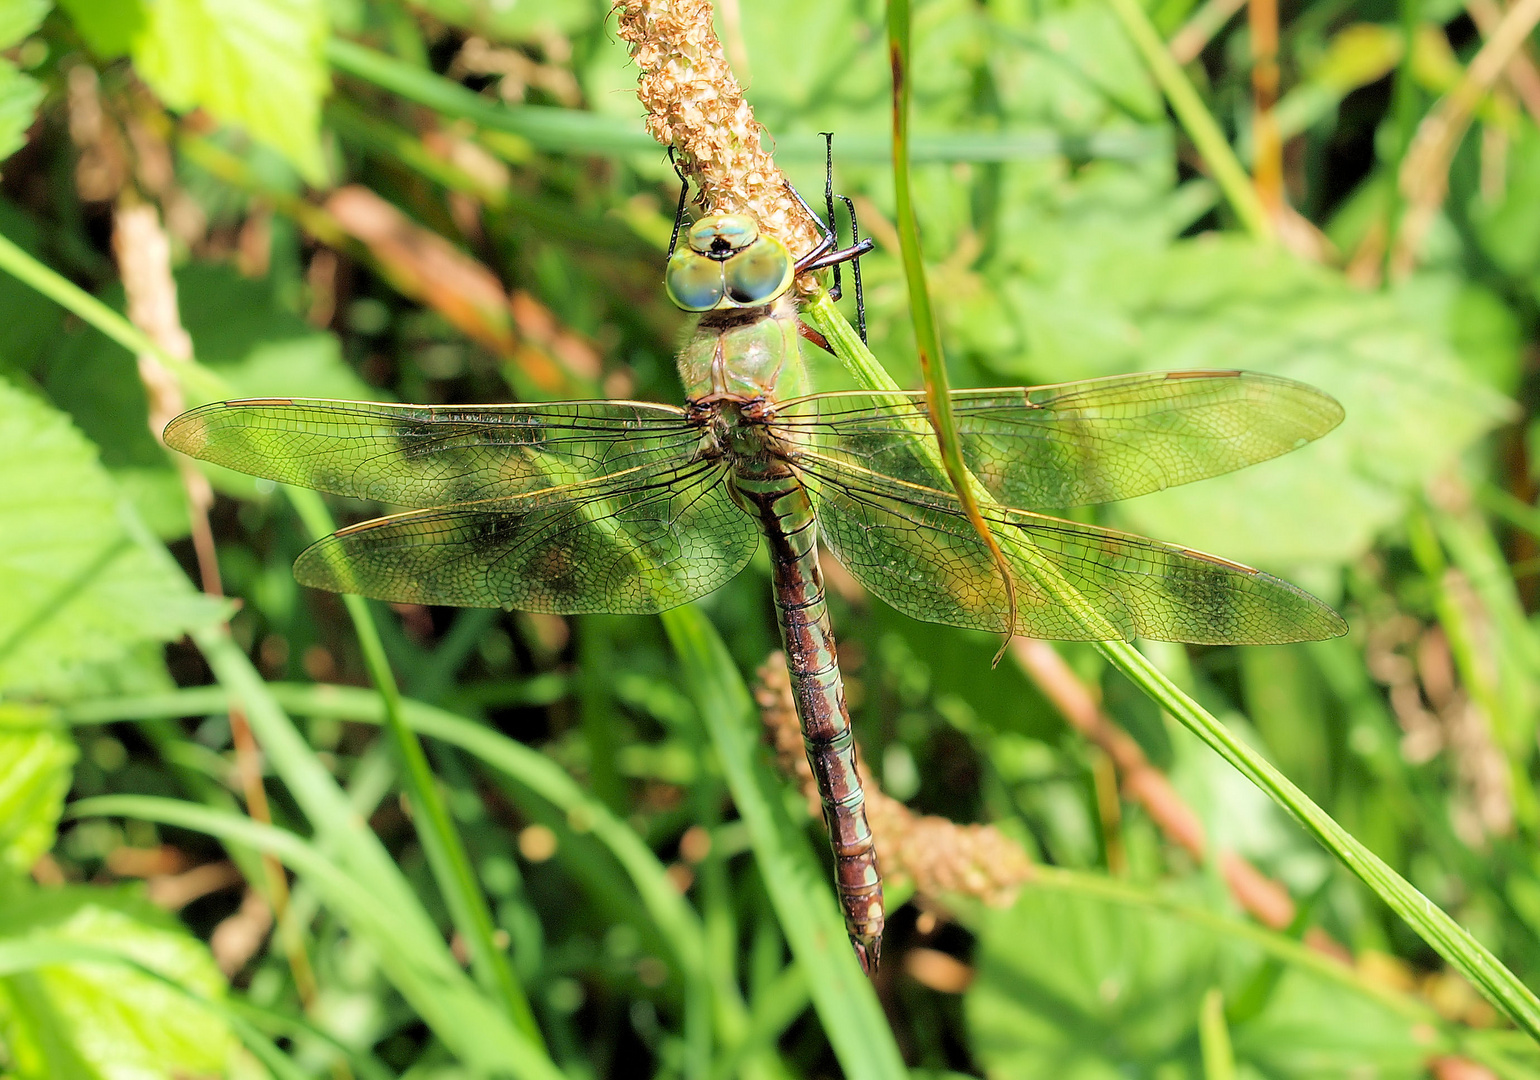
(1195, 119)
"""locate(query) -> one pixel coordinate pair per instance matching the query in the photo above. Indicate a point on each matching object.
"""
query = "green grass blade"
(441, 841)
(429, 979)
(1447, 937)
(671, 913)
(1195, 118)
(545, 127)
(799, 890)
(927, 332)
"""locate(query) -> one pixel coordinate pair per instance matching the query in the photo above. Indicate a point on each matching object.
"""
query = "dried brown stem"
(695, 105)
(1521, 74)
(1199, 30)
(143, 254)
(1266, 900)
(1424, 178)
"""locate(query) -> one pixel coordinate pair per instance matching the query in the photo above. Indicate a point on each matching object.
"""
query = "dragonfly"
(637, 507)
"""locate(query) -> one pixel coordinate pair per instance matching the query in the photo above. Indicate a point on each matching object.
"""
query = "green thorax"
(745, 346)
(746, 354)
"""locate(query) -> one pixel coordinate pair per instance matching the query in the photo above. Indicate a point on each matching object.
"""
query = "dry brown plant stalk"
(695, 105)
(143, 252)
(937, 855)
(1424, 177)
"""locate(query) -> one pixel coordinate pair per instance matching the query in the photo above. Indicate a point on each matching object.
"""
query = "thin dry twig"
(1199, 30)
(143, 253)
(1521, 73)
(1266, 900)
(695, 105)
(1424, 177)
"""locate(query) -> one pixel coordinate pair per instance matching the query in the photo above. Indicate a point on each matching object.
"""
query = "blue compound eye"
(719, 235)
(694, 283)
(759, 274)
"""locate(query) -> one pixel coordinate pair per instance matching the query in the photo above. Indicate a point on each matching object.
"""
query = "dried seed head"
(695, 105)
(938, 855)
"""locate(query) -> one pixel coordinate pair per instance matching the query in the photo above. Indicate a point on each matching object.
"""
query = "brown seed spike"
(695, 105)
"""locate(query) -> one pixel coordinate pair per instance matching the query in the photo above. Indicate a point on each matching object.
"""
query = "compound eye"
(760, 274)
(694, 283)
(722, 234)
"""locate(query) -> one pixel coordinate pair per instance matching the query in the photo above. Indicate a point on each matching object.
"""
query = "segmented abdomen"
(786, 516)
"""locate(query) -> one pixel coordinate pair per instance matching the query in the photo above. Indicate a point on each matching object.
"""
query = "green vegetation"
(247, 829)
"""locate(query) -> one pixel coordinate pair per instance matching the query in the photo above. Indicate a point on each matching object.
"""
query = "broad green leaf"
(1074, 987)
(35, 771)
(20, 95)
(254, 63)
(84, 584)
(18, 18)
(108, 26)
(109, 1022)
(239, 331)
(1226, 303)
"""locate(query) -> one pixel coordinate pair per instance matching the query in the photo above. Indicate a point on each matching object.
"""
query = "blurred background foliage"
(454, 201)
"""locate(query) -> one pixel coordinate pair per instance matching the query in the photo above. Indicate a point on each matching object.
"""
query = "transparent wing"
(914, 548)
(1073, 444)
(635, 544)
(426, 456)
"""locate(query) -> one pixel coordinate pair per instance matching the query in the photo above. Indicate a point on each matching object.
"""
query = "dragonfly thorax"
(727, 263)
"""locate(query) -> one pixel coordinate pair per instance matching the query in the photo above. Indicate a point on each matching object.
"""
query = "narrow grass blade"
(927, 333)
(1195, 119)
(451, 864)
(470, 1024)
(799, 890)
(1447, 937)
(676, 920)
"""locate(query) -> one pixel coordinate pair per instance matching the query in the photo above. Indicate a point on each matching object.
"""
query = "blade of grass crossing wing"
(475, 1029)
(927, 334)
(1446, 936)
(799, 891)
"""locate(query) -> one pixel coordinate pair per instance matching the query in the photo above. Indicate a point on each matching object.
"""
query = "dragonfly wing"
(634, 547)
(425, 455)
(915, 549)
(1074, 444)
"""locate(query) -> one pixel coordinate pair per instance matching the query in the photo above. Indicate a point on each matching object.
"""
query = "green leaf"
(1080, 987)
(108, 26)
(20, 95)
(84, 584)
(35, 772)
(18, 18)
(108, 1021)
(1224, 302)
(254, 63)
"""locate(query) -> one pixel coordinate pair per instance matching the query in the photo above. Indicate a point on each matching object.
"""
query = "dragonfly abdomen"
(785, 515)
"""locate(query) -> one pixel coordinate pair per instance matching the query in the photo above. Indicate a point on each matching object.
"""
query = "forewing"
(637, 547)
(916, 550)
(1073, 444)
(427, 456)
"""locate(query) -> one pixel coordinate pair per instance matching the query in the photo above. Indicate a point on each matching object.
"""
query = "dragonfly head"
(726, 263)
